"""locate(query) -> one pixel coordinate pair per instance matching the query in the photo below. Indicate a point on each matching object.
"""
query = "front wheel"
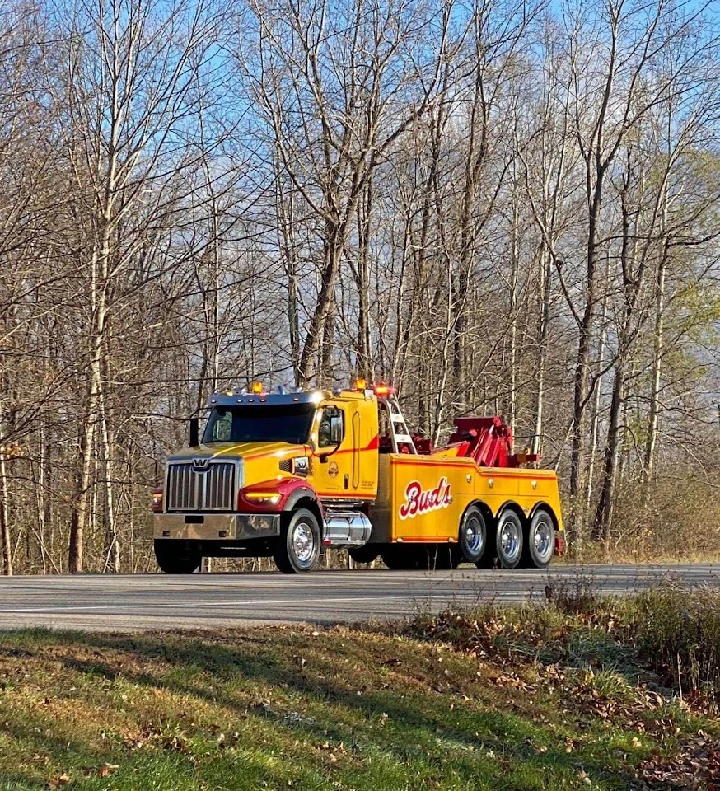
(174, 557)
(509, 540)
(540, 542)
(298, 547)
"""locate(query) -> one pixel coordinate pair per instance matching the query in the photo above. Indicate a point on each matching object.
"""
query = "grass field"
(577, 693)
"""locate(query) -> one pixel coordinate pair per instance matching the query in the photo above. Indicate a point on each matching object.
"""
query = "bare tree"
(338, 86)
(128, 85)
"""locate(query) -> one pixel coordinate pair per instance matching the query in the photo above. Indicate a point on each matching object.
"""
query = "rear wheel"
(298, 547)
(175, 557)
(473, 535)
(540, 541)
(509, 540)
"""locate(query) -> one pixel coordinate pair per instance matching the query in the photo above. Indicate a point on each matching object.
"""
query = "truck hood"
(245, 450)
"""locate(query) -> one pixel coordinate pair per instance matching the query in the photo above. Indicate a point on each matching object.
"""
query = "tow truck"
(286, 474)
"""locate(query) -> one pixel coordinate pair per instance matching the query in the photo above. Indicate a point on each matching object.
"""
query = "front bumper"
(216, 527)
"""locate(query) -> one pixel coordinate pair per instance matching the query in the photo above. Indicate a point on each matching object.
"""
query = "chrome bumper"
(216, 527)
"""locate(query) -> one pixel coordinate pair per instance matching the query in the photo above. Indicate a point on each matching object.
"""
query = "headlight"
(262, 498)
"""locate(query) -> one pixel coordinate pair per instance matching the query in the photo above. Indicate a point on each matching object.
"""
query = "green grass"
(524, 698)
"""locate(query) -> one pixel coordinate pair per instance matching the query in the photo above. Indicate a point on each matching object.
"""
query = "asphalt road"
(157, 601)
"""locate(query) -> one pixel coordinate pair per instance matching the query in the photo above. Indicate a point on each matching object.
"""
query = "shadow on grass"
(415, 723)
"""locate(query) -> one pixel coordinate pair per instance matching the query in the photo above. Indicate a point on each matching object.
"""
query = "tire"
(539, 542)
(175, 557)
(298, 547)
(364, 554)
(472, 537)
(509, 540)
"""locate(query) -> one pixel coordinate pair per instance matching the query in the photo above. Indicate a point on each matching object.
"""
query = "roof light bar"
(382, 390)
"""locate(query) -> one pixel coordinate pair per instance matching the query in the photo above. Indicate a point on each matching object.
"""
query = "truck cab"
(262, 459)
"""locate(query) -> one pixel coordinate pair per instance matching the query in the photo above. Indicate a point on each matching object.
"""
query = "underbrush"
(648, 662)
(671, 632)
(677, 633)
(677, 520)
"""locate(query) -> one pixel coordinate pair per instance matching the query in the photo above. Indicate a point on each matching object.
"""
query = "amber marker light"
(361, 384)
(383, 390)
(256, 388)
(157, 501)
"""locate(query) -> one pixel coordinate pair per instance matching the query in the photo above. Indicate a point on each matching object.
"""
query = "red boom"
(487, 440)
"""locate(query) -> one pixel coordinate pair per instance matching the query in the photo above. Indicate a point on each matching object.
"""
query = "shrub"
(677, 632)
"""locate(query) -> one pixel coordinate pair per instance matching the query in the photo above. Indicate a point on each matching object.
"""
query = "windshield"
(283, 423)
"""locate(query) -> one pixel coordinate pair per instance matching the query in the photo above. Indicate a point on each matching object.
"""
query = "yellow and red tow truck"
(284, 474)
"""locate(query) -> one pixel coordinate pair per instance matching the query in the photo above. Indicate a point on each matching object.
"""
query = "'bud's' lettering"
(418, 501)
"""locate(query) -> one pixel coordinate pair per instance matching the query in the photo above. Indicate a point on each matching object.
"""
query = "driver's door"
(331, 463)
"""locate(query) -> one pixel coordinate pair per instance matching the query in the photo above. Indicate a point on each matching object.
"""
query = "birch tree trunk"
(655, 374)
(7, 552)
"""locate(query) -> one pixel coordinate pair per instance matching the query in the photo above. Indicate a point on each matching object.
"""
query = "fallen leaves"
(509, 680)
(696, 767)
(332, 750)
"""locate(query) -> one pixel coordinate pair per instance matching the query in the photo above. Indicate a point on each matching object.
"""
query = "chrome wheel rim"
(303, 542)
(510, 539)
(542, 538)
(473, 536)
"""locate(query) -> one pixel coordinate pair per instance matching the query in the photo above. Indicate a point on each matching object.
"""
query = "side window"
(222, 426)
(331, 429)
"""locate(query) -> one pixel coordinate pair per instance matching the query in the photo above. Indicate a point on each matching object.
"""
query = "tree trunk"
(514, 265)
(5, 519)
(326, 373)
(112, 544)
(597, 400)
(364, 366)
(542, 337)
(286, 211)
(582, 368)
(79, 510)
(312, 349)
(603, 514)
(655, 377)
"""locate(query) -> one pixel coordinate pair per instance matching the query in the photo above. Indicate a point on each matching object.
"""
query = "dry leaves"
(696, 767)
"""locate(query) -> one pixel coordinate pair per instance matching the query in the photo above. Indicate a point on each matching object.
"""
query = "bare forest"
(496, 205)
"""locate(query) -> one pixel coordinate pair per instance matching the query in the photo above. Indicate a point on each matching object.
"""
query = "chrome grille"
(192, 490)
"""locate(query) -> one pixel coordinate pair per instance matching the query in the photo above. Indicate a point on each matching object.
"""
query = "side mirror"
(194, 432)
